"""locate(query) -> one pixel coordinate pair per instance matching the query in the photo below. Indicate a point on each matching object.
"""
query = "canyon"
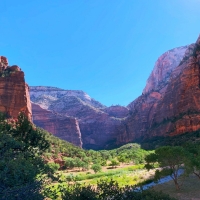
(168, 106)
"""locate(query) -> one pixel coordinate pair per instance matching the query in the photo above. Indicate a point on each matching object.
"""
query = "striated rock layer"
(179, 110)
(14, 92)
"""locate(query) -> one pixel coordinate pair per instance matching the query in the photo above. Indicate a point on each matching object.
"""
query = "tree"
(170, 159)
(122, 158)
(114, 163)
(103, 191)
(20, 165)
(96, 168)
(103, 162)
(54, 167)
(85, 166)
(105, 155)
(25, 132)
(78, 163)
(192, 164)
(69, 163)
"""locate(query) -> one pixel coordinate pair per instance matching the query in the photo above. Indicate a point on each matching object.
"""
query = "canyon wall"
(178, 111)
(66, 128)
(97, 122)
(169, 104)
(14, 92)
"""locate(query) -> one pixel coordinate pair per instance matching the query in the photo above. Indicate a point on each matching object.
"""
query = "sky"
(107, 48)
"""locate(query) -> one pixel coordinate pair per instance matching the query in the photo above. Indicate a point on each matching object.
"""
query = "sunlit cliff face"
(14, 92)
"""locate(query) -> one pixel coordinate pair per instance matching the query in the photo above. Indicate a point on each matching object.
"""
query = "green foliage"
(104, 190)
(96, 168)
(114, 163)
(23, 172)
(20, 165)
(129, 152)
(170, 159)
(192, 164)
(28, 135)
(53, 166)
(69, 163)
(178, 140)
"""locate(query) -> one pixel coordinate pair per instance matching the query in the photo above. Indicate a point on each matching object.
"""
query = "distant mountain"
(46, 95)
(96, 122)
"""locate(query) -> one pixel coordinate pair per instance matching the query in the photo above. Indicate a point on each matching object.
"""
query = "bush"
(114, 163)
(53, 166)
(105, 191)
(96, 168)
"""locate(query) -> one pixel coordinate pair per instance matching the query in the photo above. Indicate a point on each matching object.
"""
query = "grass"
(190, 188)
(129, 175)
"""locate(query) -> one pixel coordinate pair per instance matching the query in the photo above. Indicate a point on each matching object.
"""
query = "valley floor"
(123, 174)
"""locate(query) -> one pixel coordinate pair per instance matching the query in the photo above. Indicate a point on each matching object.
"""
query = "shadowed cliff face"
(96, 122)
(14, 92)
(66, 128)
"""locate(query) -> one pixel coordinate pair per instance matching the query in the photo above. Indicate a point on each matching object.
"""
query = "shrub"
(53, 166)
(96, 168)
(104, 191)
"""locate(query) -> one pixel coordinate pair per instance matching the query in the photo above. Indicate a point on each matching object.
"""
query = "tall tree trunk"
(197, 174)
(176, 184)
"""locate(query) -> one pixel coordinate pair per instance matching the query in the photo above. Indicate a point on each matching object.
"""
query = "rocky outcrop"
(117, 111)
(14, 92)
(166, 63)
(66, 128)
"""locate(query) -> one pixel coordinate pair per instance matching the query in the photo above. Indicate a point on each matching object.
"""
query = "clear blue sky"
(106, 48)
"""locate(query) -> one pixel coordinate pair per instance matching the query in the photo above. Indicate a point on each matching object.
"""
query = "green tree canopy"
(170, 159)
(96, 168)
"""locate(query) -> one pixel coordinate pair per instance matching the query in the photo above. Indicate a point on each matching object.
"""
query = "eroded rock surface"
(97, 123)
(175, 106)
(14, 92)
(66, 128)
(166, 63)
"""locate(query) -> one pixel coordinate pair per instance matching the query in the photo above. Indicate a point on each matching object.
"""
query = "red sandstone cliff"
(174, 108)
(66, 128)
(117, 111)
(179, 110)
(14, 92)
